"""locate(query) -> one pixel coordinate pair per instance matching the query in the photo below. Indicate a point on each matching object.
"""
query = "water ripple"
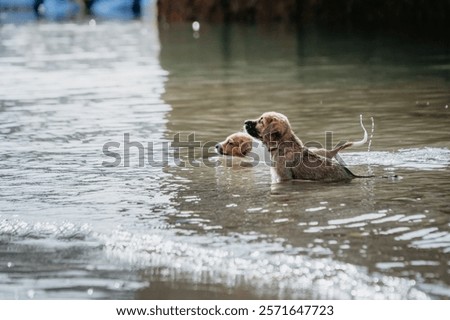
(416, 158)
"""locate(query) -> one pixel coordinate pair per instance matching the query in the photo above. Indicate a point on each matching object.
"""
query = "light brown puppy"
(292, 159)
(238, 144)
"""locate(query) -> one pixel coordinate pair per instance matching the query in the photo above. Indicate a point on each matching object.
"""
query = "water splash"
(293, 276)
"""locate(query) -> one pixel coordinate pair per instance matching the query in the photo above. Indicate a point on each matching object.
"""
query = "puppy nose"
(217, 146)
(248, 122)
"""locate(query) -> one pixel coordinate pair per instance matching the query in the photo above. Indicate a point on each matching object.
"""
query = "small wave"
(43, 230)
(263, 266)
(292, 276)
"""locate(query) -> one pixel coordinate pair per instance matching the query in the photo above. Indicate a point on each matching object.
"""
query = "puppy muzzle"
(219, 148)
(250, 127)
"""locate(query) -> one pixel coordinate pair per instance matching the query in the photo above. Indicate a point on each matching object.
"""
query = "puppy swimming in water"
(291, 158)
(238, 144)
(243, 150)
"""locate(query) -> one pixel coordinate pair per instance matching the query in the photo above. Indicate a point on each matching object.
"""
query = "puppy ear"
(273, 132)
(246, 147)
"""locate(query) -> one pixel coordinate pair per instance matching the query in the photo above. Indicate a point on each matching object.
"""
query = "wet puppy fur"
(292, 159)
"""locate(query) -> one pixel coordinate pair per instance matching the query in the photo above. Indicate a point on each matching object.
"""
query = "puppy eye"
(260, 120)
(230, 143)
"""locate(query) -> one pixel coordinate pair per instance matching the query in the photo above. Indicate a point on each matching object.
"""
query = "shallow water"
(72, 225)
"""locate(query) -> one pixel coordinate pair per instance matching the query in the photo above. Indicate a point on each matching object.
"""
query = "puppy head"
(238, 144)
(271, 126)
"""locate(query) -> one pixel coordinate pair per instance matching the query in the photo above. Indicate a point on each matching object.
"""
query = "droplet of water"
(90, 291)
(196, 26)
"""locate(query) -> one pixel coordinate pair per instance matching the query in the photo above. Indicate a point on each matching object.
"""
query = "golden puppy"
(238, 144)
(293, 160)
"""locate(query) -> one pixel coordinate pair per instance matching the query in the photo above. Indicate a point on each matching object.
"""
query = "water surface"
(72, 227)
